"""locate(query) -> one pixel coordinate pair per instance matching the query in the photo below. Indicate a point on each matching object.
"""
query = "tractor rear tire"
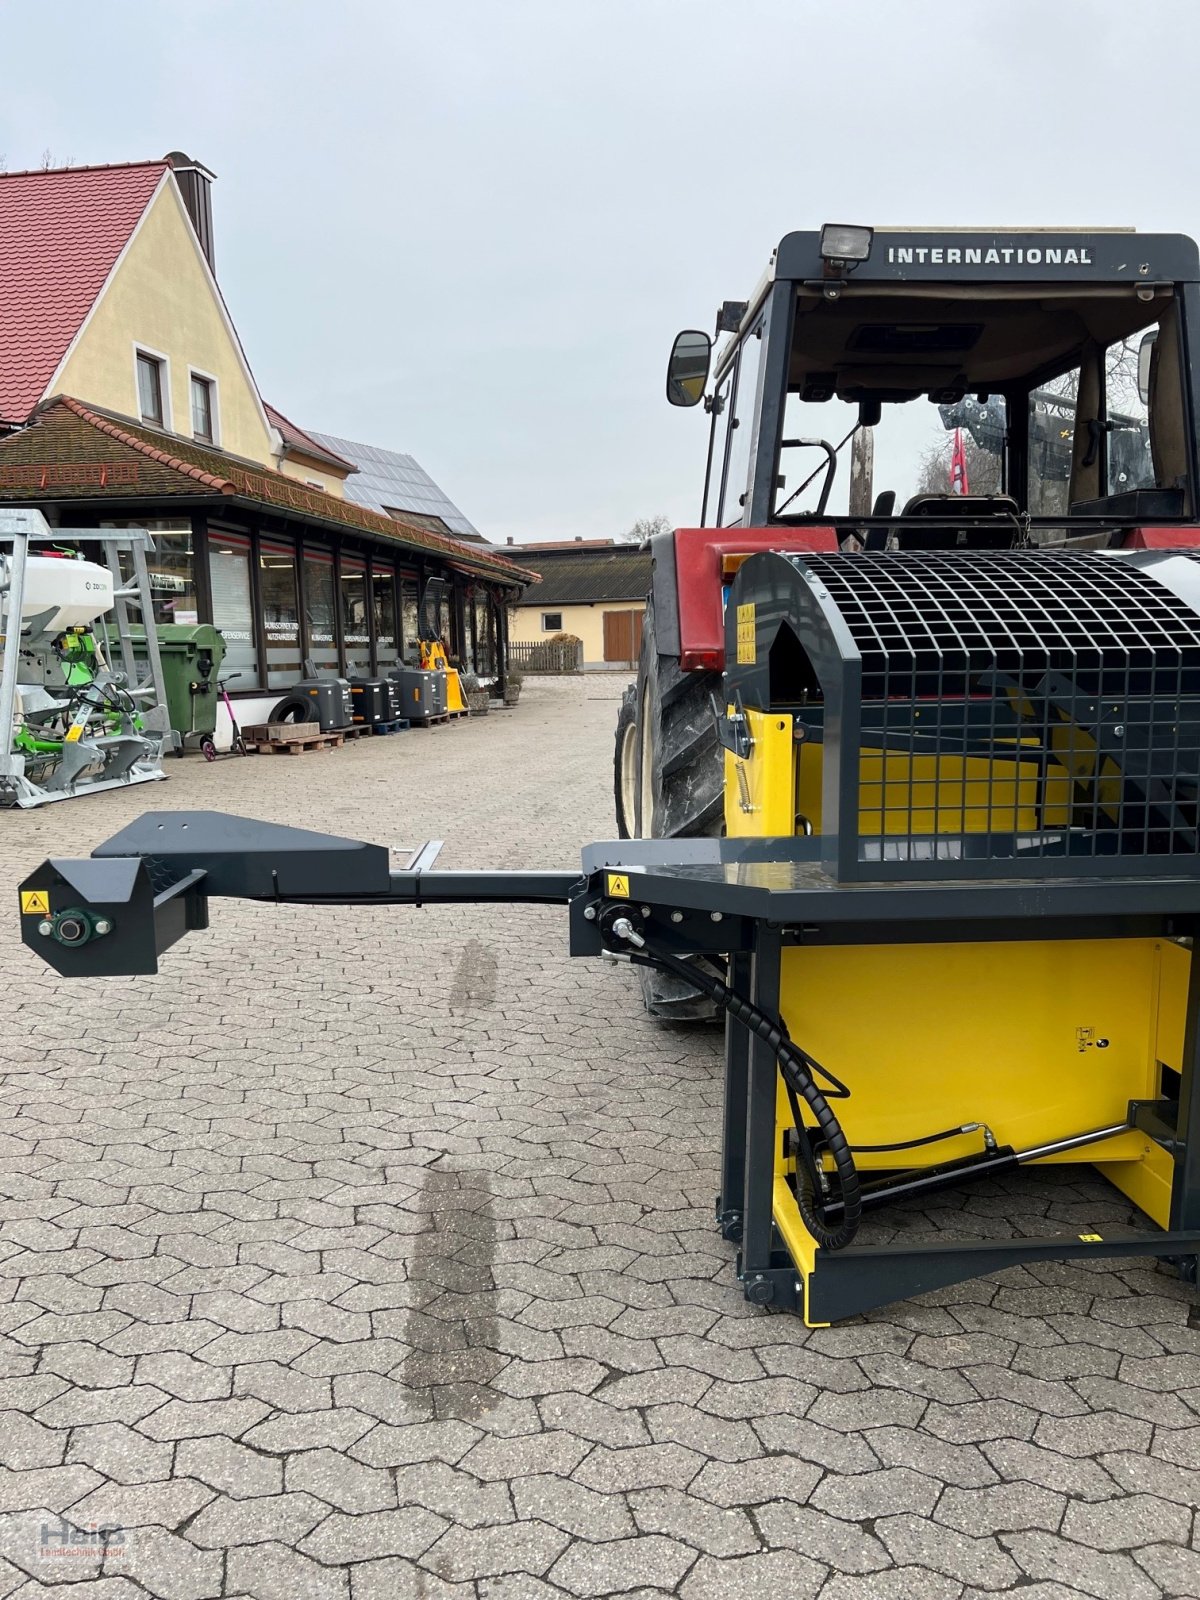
(625, 765)
(677, 784)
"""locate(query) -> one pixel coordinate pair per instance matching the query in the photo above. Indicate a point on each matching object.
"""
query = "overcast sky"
(470, 230)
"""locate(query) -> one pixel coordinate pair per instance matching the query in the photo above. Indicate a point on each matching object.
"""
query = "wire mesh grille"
(1018, 707)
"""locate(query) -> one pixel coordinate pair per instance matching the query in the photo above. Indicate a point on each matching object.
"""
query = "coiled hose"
(799, 1070)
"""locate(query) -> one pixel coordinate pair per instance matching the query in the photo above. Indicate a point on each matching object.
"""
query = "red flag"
(959, 482)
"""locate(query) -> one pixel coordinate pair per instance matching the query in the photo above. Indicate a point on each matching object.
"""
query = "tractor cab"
(918, 390)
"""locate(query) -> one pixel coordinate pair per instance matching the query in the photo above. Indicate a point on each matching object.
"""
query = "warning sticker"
(1091, 1238)
(35, 903)
(73, 732)
(746, 651)
(617, 885)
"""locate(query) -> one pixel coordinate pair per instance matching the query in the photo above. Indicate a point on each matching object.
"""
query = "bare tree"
(983, 468)
(645, 528)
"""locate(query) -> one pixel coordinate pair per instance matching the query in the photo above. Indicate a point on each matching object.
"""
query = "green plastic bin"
(192, 654)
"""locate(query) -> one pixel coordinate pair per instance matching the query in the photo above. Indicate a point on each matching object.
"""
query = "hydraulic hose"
(799, 1071)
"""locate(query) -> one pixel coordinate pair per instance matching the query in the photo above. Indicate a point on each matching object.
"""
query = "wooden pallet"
(396, 725)
(289, 738)
(356, 730)
(428, 722)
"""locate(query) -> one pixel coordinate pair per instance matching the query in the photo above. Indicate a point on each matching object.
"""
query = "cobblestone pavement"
(369, 1256)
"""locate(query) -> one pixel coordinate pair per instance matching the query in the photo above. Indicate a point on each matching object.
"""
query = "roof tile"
(60, 235)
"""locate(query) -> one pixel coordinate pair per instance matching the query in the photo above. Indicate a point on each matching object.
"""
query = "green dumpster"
(192, 654)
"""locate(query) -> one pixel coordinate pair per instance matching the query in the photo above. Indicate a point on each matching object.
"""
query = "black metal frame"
(746, 899)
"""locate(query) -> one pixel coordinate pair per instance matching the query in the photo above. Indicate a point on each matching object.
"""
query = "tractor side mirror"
(1145, 353)
(687, 370)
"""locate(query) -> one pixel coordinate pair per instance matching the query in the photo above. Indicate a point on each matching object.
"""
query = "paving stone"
(273, 1572)
(588, 1418)
(397, 1579)
(1174, 1569)
(308, 1430)
(193, 1419)
(137, 1505)
(342, 1539)
(775, 1572)
(120, 1454)
(1068, 1474)
(1147, 1475)
(695, 1522)
(649, 1466)
(856, 1497)
(226, 1521)
(502, 1459)
(962, 1464)
(233, 1468)
(24, 1442)
(182, 1376)
(1121, 1524)
(1089, 1436)
(1001, 1508)
(620, 1564)
(710, 1436)
(482, 1552)
(81, 1407)
(843, 1546)
(746, 1483)
(340, 1481)
(1044, 1556)
(53, 1487)
(897, 1583)
(874, 1408)
(582, 1512)
(915, 1541)
(170, 1567)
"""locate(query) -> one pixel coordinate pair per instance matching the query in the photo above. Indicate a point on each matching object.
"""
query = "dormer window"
(150, 388)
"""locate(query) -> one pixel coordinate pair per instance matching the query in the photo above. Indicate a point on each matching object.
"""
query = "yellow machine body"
(1036, 1040)
(433, 658)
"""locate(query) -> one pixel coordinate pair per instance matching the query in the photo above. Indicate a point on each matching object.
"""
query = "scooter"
(208, 748)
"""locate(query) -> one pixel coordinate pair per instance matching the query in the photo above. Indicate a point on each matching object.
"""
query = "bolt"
(677, 916)
(102, 925)
(45, 928)
(589, 913)
(645, 911)
(716, 916)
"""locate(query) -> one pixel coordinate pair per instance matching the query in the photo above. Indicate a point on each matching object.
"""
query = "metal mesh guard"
(1019, 711)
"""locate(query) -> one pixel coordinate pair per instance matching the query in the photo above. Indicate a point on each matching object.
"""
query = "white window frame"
(558, 626)
(214, 405)
(164, 362)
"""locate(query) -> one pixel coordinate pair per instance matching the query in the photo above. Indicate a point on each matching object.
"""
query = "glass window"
(409, 614)
(233, 609)
(356, 627)
(202, 408)
(1051, 437)
(1130, 465)
(742, 430)
(720, 443)
(551, 621)
(319, 625)
(170, 567)
(281, 614)
(383, 594)
(150, 389)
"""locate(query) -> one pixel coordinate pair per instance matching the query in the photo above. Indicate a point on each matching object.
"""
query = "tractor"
(1063, 354)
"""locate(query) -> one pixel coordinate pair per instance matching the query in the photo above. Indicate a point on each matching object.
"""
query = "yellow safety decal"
(746, 651)
(617, 885)
(35, 903)
(73, 732)
(1091, 1238)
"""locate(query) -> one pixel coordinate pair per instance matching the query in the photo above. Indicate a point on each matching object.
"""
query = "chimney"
(195, 185)
(510, 538)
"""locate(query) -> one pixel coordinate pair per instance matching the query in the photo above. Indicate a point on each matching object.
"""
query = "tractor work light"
(841, 241)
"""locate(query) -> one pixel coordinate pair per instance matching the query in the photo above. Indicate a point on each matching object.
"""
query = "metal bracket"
(733, 728)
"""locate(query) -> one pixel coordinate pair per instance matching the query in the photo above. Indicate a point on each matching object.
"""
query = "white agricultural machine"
(79, 710)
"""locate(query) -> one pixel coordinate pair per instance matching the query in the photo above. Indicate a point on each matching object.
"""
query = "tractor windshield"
(1057, 399)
